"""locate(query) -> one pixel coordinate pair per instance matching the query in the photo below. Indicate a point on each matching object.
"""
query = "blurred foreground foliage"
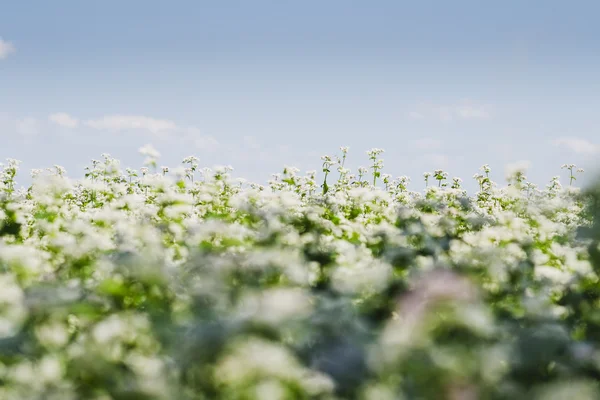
(140, 289)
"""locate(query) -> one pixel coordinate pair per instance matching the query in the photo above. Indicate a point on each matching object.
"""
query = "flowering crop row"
(187, 284)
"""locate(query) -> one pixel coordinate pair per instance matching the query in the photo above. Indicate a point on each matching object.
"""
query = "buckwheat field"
(184, 283)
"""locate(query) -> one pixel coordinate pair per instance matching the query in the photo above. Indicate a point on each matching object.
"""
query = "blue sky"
(264, 84)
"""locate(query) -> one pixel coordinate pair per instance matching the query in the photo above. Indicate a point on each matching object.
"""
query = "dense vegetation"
(188, 284)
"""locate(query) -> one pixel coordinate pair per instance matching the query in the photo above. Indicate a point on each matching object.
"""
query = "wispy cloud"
(158, 128)
(63, 119)
(577, 145)
(446, 113)
(119, 123)
(6, 48)
(427, 143)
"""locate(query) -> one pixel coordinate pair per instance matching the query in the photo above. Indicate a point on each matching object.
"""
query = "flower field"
(184, 283)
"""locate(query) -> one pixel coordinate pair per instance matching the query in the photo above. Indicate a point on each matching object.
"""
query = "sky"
(264, 84)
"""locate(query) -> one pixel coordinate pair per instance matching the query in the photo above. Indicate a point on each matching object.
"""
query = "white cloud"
(119, 123)
(577, 145)
(6, 48)
(427, 144)
(160, 128)
(27, 127)
(64, 120)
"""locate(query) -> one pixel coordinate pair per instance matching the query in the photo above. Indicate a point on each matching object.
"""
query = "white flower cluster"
(90, 269)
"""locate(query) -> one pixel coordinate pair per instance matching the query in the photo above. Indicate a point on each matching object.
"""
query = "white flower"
(49, 369)
(275, 306)
(149, 151)
(552, 274)
(53, 334)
